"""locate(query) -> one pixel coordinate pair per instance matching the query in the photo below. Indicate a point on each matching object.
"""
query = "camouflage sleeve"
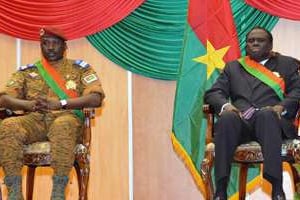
(91, 82)
(14, 86)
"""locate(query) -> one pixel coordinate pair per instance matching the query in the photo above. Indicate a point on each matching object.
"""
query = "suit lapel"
(271, 65)
(250, 80)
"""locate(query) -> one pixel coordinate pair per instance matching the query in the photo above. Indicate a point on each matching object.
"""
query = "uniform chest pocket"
(35, 86)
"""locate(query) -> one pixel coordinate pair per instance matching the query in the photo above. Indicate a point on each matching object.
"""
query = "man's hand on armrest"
(279, 109)
(231, 108)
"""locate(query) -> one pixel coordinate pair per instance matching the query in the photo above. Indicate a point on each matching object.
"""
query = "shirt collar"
(263, 62)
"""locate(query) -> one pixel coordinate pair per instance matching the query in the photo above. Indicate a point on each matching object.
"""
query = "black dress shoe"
(219, 198)
(278, 197)
(221, 193)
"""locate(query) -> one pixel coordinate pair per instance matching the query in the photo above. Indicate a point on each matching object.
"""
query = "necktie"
(247, 114)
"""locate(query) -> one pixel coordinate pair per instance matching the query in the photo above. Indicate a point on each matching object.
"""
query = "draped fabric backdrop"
(288, 9)
(149, 41)
(78, 18)
(147, 38)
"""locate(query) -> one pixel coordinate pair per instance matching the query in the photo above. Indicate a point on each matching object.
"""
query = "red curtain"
(77, 18)
(281, 8)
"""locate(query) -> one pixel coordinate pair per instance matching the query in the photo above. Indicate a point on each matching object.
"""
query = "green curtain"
(150, 40)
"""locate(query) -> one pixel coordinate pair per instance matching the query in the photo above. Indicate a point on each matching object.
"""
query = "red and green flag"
(210, 41)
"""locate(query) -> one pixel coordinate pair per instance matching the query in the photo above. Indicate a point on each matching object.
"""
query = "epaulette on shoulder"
(81, 63)
(24, 67)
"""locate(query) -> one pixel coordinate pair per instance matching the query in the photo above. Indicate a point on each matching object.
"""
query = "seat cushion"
(38, 153)
(37, 147)
(251, 152)
(44, 147)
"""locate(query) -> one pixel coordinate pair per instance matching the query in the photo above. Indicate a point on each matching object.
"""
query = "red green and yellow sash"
(56, 83)
(266, 76)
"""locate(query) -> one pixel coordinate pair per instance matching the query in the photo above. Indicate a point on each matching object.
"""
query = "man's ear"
(66, 46)
(271, 47)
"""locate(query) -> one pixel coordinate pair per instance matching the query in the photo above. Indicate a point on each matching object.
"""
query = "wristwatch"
(63, 103)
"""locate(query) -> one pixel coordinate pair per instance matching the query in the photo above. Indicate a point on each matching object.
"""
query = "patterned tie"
(247, 114)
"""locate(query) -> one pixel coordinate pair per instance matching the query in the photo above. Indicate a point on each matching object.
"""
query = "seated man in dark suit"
(256, 98)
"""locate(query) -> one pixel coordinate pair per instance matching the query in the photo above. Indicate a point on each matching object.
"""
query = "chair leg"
(296, 177)
(0, 193)
(242, 181)
(82, 167)
(206, 168)
(30, 182)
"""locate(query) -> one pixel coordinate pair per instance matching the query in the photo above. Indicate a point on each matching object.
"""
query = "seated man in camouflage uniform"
(52, 92)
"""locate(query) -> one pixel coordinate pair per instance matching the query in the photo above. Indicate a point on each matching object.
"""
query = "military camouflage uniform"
(61, 128)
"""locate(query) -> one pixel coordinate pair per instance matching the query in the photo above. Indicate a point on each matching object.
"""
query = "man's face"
(259, 45)
(52, 48)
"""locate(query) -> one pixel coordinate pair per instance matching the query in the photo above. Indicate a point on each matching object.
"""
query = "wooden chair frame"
(245, 155)
(81, 164)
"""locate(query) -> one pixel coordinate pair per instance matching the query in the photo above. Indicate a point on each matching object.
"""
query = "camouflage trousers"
(61, 129)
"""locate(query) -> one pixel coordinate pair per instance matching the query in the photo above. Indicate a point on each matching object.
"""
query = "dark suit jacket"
(243, 90)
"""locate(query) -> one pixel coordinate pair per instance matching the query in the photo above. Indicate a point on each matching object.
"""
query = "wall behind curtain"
(286, 37)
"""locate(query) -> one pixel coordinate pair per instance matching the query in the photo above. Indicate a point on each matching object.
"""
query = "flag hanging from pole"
(210, 41)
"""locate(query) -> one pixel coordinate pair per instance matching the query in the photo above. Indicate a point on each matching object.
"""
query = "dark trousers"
(231, 130)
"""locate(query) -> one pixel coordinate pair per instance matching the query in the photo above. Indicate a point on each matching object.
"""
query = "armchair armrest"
(89, 114)
(4, 113)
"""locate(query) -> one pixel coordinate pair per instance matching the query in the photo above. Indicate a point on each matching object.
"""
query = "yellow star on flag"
(213, 58)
